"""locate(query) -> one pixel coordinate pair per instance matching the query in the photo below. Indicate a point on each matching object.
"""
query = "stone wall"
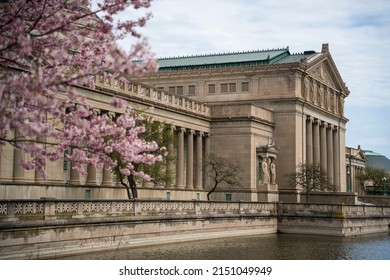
(331, 219)
(45, 229)
(33, 229)
(375, 199)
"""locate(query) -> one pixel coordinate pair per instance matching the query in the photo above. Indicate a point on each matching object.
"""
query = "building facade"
(304, 95)
(267, 110)
(355, 164)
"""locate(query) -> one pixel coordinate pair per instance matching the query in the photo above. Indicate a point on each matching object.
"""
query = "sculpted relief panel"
(322, 74)
(322, 93)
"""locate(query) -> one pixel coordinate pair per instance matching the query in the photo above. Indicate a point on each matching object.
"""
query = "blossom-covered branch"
(47, 48)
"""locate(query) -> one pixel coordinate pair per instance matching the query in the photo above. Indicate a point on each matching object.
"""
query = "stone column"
(330, 155)
(38, 175)
(74, 176)
(107, 177)
(336, 158)
(198, 162)
(18, 173)
(309, 140)
(180, 159)
(170, 169)
(353, 174)
(323, 149)
(190, 160)
(7, 159)
(91, 177)
(316, 141)
(206, 179)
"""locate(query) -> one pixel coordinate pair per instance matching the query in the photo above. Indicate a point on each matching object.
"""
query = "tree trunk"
(133, 186)
(127, 188)
(307, 196)
(213, 189)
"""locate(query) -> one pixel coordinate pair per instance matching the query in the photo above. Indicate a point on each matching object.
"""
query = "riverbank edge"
(63, 230)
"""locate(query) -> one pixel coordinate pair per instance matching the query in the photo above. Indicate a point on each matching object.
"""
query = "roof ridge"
(225, 53)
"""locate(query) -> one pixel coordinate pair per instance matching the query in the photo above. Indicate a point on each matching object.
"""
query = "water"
(262, 247)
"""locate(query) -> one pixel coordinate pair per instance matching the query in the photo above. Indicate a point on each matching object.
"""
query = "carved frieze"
(321, 73)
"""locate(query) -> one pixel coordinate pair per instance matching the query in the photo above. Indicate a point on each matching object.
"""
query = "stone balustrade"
(152, 95)
(332, 210)
(28, 210)
(48, 228)
(22, 210)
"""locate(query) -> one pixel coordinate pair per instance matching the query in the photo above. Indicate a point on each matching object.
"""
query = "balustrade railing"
(21, 210)
(151, 94)
(335, 210)
(12, 210)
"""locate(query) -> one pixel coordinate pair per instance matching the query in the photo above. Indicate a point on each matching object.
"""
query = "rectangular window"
(191, 90)
(65, 166)
(168, 195)
(179, 90)
(232, 87)
(160, 88)
(224, 88)
(228, 88)
(87, 194)
(245, 86)
(172, 90)
(197, 196)
(211, 88)
(228, 197)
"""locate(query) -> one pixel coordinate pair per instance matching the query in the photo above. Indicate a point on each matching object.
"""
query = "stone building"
(267, 110)
(302, 95)
(355, 164)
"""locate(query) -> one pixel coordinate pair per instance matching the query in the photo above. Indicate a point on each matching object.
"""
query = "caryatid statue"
(264, 167)
(273, 172)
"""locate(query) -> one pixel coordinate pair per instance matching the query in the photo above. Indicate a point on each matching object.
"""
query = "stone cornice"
(243, 119)
(226, 71)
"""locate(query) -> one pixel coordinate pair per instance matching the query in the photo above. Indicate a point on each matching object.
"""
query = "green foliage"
(377, 177)
(162, 134)
(310, 177)
(220, 169)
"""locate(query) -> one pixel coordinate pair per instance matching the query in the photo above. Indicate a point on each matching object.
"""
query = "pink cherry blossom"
(49, 48)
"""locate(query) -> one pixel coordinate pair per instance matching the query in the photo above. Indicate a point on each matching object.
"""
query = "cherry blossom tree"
(47, 49)
(159, 172)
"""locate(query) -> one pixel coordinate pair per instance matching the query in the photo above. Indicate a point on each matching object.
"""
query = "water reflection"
(263, 247)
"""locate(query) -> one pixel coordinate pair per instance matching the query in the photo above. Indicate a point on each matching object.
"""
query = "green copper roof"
(371, 153)
(377, 160)
(223, 60)
(297, 57)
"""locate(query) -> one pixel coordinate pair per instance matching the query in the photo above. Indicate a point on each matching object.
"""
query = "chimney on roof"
(325, 48)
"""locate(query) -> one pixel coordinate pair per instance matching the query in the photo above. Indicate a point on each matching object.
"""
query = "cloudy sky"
(358, 33)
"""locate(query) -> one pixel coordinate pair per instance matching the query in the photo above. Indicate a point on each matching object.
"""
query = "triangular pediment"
(321, 73)
(323, 69)
(360, 155)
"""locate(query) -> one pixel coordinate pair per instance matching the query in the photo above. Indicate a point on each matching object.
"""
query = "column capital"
(317, 121)
(310, 119)
(331, 126)
(324, 124)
